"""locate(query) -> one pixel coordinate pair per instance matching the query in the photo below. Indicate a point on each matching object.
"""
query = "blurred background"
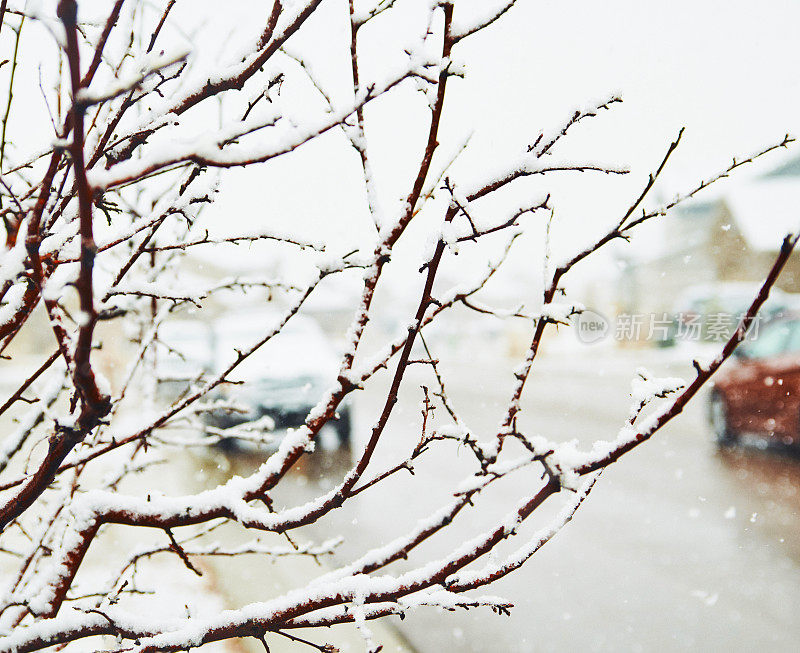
(691, 542)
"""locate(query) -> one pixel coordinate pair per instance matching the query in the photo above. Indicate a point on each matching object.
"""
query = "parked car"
(283, 380)
(185, 352)
(758, 392)
(711, 312)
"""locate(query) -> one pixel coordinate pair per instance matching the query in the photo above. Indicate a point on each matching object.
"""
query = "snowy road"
(679, 547)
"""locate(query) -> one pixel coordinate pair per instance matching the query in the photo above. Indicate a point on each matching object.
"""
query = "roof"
(695, 210)
(765, 211)
(790, 168)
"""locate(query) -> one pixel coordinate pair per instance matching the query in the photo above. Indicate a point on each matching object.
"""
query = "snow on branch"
(170, 326)
(88, 97)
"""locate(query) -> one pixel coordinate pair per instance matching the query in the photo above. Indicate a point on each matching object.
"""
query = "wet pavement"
(680, 546)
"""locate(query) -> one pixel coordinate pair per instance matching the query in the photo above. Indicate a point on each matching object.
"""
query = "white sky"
(726, 70)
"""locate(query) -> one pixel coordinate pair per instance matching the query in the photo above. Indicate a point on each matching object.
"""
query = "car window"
(793, 342)
(771, 341)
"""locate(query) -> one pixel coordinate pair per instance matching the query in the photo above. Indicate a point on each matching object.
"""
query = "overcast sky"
(726, 70)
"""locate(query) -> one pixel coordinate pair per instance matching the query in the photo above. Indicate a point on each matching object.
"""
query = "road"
(680, 547)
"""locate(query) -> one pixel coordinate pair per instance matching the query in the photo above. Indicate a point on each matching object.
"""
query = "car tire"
(720, 424)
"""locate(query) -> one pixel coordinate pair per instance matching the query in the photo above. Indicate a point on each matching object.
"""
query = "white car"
(185, 352)
(282, 380)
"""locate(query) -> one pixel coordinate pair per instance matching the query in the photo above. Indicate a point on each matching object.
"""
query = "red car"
(758, 393)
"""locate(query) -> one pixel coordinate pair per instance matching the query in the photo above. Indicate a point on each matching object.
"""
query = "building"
(731, 241)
